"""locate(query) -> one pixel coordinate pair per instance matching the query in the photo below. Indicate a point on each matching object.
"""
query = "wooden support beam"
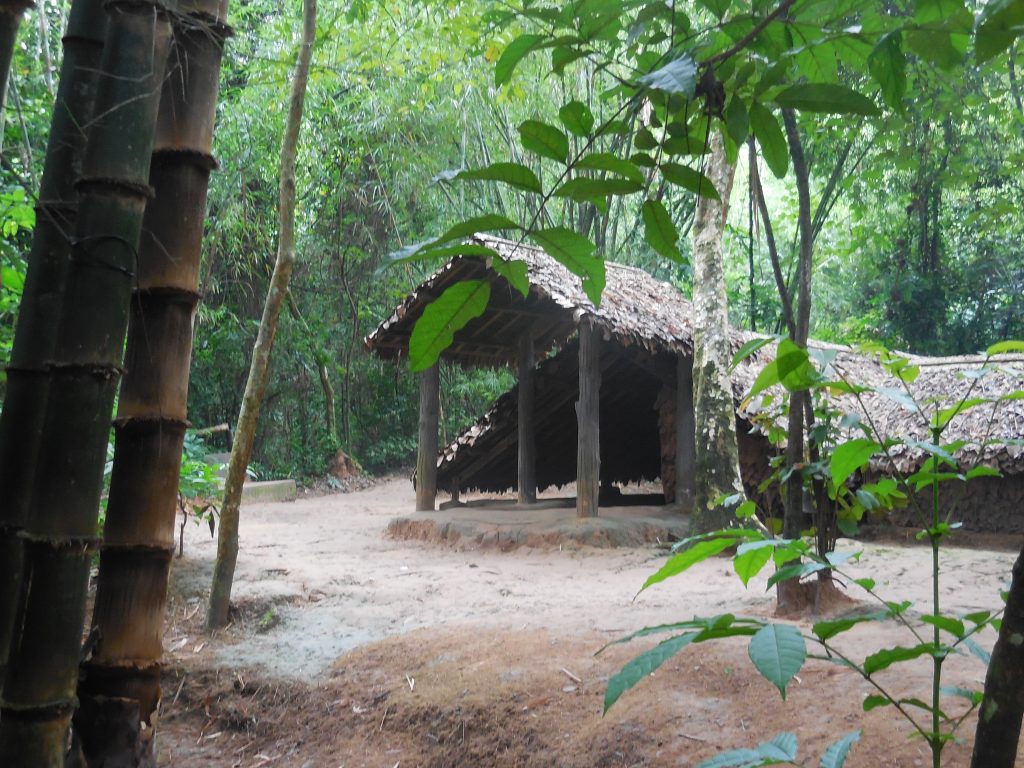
(426, 454)
(527, 426)
(686, 447)
(588, 408)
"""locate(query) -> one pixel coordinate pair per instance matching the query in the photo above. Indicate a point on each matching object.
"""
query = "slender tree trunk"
(27, 382)
(227, 539)
(11, 12)
(39, 688)
(717, 466)
(999, 721)
(119, 685)
(44, 47)
(588, 423)
(426, 440)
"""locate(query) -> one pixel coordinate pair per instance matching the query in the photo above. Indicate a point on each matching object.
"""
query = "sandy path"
(336, 583)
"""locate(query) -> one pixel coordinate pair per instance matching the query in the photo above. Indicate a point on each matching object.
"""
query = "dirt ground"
(352, 648)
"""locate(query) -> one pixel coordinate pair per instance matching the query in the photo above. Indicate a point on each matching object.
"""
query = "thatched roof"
(636, 309)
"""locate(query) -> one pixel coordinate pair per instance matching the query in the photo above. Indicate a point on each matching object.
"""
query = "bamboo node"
(98, 370)
(88, 544)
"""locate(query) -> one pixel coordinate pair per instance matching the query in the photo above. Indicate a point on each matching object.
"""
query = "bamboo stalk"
(27, 382)
(119, 685)
(39, 689)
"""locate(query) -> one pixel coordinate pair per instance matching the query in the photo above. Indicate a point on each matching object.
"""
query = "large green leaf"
(778, 651)
(689, 179)
(643, 665)
(544, 139)
(999, 25)
(737, 120)
(888, 65)
(443, 317)
(577, 118)
(1005, 347)
(577, 254)
(883, 659)
(941, 31)
(825, 630)
(489, 223)
(826, 97)
(587, 190)
(781, 749)
(660, 231)
(850, 456)
(512, 55)
(748, 563)
(837, 752)
(687, 558)
(678, 76)
(770, 138)
(516, 272)
(513, 174)
(605, 161)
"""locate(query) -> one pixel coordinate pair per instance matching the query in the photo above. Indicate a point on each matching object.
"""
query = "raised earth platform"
(548, 523)
(254, 491)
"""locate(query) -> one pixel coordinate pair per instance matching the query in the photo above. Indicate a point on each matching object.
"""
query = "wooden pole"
(588, 445)
(686, 448)
(527, 424)
(426, 455)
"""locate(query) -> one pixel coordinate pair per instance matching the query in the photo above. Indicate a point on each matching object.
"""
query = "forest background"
(920, 249)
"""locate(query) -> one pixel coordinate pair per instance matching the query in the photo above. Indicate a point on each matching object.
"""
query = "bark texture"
(426, 450)
(39, 688)
(588, 412)
(527, 459)
(28, 374)
(717, 460)
(686, 449)
(255, 386)
(999, 721)
(119, 685)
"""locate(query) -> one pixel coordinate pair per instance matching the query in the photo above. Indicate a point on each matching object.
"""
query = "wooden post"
(426, 454)
(527, 431)
(588, 445)
(686, 449)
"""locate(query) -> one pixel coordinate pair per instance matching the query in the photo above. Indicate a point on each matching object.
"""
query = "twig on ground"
(571, 676)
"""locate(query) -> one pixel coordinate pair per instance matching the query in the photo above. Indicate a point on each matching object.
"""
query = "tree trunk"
(39, 689)
(245, 432)
(27, 382)
(999, 720)
(686, 449)
(588, 412)
(527, 423)
(717, 464)
(426, 443)
(11, 12)
(119, 685)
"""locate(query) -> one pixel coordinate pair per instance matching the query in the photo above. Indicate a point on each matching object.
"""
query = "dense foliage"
(919, 250)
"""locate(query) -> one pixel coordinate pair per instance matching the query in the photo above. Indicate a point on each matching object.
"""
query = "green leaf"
(945, 415)
(576, 253)
(999, 25)
(1004, 347)
(770, 138)
(826, 630)
(488, 223)
(678, 76)
(942, 31)
(749, 563)
(605, 161)
(513, 174)
(544, 140)
(515, 271)
(955, 627)
(585, 190)
(512, 55)
(737, 121)
(876, 662)
(782, 747)
(734, 758)
(643, 665)
(828, 98)
(982, 471)
(750, 348)
(888, 65)
(837, 752)
(778, 651)
(687, 558)
(443, 317)
(660, 231)
(795, 571)
(850, 456)
(422, 251)
(577, 118)
(689, 179)
(874, 701)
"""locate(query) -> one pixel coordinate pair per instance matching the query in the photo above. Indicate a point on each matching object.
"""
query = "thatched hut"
(643, 375)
